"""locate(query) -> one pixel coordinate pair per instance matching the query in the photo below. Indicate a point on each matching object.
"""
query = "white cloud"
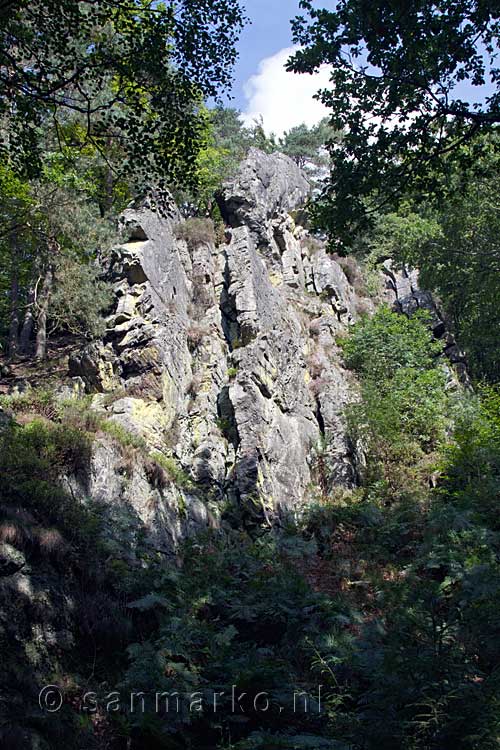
(284, 99)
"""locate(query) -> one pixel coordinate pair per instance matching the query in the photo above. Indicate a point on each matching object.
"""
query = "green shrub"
(33, 458)
(414, 661)
(380, 345)
(36, 401)
(404, 413)
(176, 473)
(122, 436)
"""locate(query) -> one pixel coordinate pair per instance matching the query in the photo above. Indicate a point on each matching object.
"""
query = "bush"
(196, 231)
(176, 473)
(404, 412)
(380, 345)
(37, 402)
(413, 662)
(33, 458)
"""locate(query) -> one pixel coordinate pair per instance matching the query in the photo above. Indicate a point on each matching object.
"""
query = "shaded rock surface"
(223, 356)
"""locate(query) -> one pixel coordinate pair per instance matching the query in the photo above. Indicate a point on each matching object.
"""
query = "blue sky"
(261, 85)
(269, 32)
(263, 88)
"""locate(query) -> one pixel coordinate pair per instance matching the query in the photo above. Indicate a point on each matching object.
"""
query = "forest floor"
(24, 372)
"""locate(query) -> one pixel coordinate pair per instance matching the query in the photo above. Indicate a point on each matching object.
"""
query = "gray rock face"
(222, 358)
(266, 186)
(221, 361)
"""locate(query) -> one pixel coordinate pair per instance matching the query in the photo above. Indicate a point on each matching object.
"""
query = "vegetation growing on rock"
(248, 487)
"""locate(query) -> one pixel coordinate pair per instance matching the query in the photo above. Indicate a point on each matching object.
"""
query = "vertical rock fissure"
(227, 418)
(227, 304)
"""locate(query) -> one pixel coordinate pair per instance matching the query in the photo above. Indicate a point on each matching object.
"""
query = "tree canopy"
(132, 73)
(394, 77)
(456, 247)
(307, 145)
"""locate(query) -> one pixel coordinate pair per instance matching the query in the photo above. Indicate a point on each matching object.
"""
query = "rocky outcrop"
(224, 356)
(266, 186)
(221, 360)
(406, 296)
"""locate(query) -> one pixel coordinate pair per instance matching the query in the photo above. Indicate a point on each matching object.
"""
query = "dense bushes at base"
(32, 459)
(404, 413)
(385, 596)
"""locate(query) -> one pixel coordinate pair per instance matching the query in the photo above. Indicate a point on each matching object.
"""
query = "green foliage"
(79, 299)
(404, 411)
(403, 234)
(235, 615)
(414, 662)
(123, 437)
(471, 464)
(33, 457)
(308, 145)
(392, 95)
(454, 243)
(135, 72)
(379, 346)
(52, 230)
(231, 137)
(456, 248)
(175, 472)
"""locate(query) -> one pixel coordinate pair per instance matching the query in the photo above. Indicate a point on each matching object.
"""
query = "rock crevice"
(226, 353)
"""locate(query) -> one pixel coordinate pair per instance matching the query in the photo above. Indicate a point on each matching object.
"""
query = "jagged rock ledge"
(223, 356)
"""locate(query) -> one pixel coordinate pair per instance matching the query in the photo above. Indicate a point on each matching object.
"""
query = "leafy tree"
(134, 71)
(456, 247)
(51, 225)
(304, 144)
(231, 135)
(265, 143)
(15, 207)
(393, 77)
(79, 298)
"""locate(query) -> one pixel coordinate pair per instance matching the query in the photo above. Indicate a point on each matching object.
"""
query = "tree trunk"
(14, 296)
(42, 305)
(43, 308)
(28, 324)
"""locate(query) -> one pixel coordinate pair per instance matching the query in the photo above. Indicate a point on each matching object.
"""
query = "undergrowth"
(385, 596)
